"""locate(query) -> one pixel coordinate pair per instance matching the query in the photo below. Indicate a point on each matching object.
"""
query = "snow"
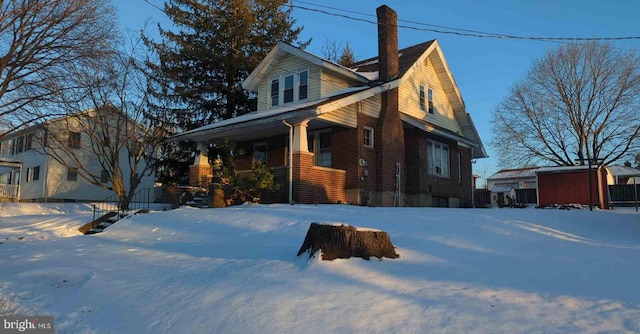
(235, 270)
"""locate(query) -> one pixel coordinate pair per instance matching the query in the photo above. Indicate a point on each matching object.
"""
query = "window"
(275, 91)
(33, 174)
(422, 99)
(439, 202)
(303, 88)
(260, 152)
(368, 136)
(288, 89)
(320, 144)
(430, 97)
(438, 159)
(74, 139)
(72, 174)
(29, 142)
(20, 144)
(104, 176)
(295, 87)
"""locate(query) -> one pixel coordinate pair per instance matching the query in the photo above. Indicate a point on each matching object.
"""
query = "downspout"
(290, 161)
(473, 189)
(45, 181)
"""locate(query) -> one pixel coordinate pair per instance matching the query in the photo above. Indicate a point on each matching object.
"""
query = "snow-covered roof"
(519, 173)
(623, 171)
(563, 168)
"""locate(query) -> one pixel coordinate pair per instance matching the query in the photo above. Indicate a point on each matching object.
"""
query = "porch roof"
(270, 122)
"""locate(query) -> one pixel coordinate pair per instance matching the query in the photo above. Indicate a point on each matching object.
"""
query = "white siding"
(371, 106)
(409, 99)
(288, 65)
(331, 83)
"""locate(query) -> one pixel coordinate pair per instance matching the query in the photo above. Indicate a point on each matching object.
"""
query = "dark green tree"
(199, 64)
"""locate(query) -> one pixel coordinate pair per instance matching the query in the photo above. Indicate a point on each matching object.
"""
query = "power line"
(451, 30)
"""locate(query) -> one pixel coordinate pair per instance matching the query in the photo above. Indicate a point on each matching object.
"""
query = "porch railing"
(140, 200)
(9, 191)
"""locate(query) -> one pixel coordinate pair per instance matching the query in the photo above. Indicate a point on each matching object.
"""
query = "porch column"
(301, 165)
(300, 137)
(200, 174)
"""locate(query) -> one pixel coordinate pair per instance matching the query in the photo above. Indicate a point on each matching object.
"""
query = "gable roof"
(406, 58)
(364, 72)
(280, 51)
(517, 173)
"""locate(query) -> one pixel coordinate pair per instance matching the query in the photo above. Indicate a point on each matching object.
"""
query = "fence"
(140, 200)
(624, 194)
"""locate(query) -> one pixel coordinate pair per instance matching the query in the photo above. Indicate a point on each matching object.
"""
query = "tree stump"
(345, 241)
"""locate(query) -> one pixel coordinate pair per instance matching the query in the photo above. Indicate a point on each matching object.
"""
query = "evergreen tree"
(196, 76)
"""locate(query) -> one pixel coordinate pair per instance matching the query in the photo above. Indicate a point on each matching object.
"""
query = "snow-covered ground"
(235, 270)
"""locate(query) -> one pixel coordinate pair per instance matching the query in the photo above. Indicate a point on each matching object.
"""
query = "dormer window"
(295, 88)
(275, 92)
(303, 90)
(288, 89)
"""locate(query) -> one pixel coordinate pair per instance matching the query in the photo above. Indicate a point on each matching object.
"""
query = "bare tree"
(107, 134)
(579, 102)
(41, 42)
(338, 52)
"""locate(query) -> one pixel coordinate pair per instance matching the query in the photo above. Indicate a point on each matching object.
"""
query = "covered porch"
(295, 145)
(10, 171)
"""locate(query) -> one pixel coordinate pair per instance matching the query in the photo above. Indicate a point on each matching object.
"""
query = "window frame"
(438, 163)
(72, 174)
(266, 152)
(371, 143)
(422, 98)
(274, 97)
(315, 146)
(73, 141)
(288, 89)
(298, 91)
(430, 100)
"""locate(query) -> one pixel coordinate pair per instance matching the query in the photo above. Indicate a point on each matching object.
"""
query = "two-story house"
(27, 174)
(390, 130)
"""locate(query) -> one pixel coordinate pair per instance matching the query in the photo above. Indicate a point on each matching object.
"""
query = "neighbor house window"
(74, 139)
(368, 136)
(320, 144)
(303, 85)
(275, 92)
(430, 99)
(288, 89)
(72, 174)
(260, 152)
(422, 98)
(438, 158)
(104, 176)
(33, 174)
(29, 142)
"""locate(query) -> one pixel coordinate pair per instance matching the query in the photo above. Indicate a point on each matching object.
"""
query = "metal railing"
(142, 199)
(9, 191)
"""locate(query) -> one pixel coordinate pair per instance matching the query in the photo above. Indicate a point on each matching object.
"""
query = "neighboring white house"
(26, 174)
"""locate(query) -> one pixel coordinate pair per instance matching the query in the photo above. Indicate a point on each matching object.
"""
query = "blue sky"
(484, 68)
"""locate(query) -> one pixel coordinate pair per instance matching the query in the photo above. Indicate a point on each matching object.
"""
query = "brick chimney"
(389, 134)
(387, 43)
